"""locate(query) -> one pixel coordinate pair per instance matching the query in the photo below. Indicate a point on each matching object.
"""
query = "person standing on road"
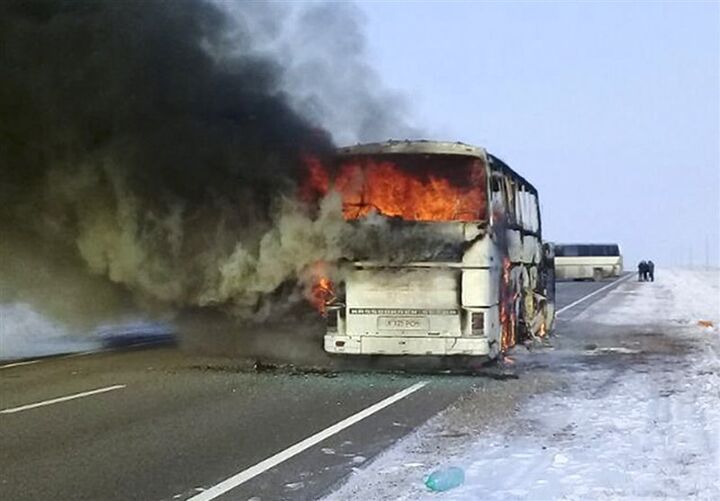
(651, 270)
(642, 270)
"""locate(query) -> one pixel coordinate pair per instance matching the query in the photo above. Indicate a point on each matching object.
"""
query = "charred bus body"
(469, 274)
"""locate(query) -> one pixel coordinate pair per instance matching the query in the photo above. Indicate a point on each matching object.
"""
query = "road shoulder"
(634, 386)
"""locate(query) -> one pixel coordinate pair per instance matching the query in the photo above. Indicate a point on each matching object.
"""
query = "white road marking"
(13, 410)
(261, 467)
(574, 303)
(18, 364)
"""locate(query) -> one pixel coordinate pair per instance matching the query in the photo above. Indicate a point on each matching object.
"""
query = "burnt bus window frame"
(497, 167)
(399, 158)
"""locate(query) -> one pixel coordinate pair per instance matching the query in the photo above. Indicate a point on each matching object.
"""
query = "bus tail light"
(477, 323)
(334, 311)
(331, 320)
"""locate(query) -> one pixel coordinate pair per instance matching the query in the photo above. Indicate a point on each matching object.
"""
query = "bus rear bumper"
(383, 345)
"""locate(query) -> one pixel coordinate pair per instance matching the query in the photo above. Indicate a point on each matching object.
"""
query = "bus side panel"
(479, 286)
(515, 246)
(531, 249)
(582, 267)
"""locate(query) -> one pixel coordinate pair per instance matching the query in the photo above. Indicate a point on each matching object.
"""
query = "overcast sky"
(612, 110)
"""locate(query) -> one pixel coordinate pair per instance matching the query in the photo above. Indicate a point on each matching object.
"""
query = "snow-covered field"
(635, 415)
(25, 333)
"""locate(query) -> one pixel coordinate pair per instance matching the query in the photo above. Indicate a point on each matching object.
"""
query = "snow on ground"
(678, 296)
(636, 414)
(25, 333)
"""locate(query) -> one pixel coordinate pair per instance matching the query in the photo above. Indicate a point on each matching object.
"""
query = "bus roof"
(409, 147)
(422, 146)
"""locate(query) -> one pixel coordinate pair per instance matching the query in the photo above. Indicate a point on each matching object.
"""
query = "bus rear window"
(408, 187)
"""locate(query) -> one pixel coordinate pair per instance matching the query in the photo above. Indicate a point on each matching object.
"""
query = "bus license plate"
(403, 323)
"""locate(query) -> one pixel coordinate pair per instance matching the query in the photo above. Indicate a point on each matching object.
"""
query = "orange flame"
(367, 185)
(507, 313)
(322, 290)
(322, 293)
(317, 182)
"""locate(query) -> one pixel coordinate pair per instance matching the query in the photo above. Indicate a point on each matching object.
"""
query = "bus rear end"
(405, 296)
(405, 312)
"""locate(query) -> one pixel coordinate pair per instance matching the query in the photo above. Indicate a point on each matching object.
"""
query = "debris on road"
(445, 479)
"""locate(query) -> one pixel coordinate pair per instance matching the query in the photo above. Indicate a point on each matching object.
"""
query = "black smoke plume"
(146, 142)
(150, 152)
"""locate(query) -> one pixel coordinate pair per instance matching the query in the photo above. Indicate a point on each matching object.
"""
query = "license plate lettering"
(403, 323)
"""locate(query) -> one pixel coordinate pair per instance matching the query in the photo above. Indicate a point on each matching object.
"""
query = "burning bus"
(459, 267)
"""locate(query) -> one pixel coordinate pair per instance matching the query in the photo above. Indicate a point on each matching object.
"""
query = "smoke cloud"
(323, 51)
(150, 150)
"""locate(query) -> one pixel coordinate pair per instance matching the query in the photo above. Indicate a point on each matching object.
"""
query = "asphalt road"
(157, 424)
(568, 292)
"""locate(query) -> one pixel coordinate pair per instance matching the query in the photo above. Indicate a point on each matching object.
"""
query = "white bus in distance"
(587, 261)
